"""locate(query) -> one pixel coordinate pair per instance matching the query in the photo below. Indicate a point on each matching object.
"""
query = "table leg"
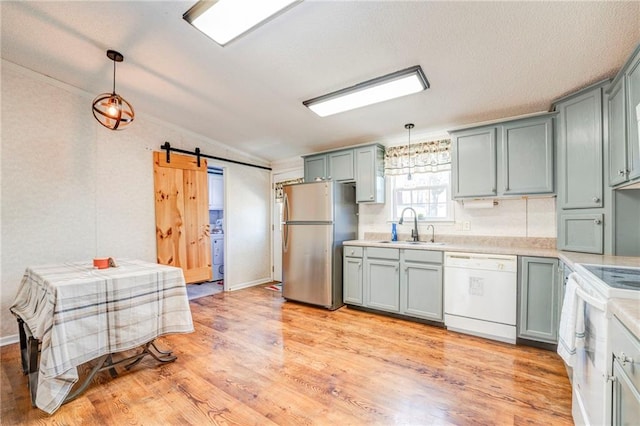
(100, 365)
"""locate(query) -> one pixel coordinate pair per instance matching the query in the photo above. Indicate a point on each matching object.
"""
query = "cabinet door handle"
(622, 172)
(597, 221)
(371, 197)
(596, 199)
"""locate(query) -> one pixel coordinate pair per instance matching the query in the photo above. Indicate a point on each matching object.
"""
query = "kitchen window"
(428, 189)
(428, 193)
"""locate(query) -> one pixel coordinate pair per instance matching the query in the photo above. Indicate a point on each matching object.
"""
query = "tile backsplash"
(522, 217)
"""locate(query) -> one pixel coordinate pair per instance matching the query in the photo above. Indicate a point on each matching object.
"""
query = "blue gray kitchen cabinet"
(527, 156)
(511, 157)
(581, 232)
(341, 165)
(370, 174)
(335, 165)
(364, 165)
(540, 289)
(632, 74)
(624, 144)
(625, 346)
(474, 162)
(382, 278)
(352, 279)
(315, 167)
(617, 134)
(584, 204)
(421, 284)
(580, 142)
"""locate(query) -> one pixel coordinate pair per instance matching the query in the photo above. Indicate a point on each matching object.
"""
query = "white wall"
(72, 189)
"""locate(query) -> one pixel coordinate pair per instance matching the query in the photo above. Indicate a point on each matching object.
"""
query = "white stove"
(612, 281)
(594, 286)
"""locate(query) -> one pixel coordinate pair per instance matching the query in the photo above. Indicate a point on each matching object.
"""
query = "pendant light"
(110, 109)
(409, 126)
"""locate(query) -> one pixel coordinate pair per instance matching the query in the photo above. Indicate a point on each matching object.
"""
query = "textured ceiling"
(484, 60)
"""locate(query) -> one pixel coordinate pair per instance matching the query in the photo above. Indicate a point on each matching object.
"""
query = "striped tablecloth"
(80, 313)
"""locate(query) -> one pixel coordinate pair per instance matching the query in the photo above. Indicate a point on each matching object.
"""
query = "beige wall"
(534, 217)
(72, 190)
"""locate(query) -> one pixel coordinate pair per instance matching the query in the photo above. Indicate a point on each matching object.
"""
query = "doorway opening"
(216, 226)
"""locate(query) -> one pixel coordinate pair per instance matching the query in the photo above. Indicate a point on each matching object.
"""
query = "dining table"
(73, 313)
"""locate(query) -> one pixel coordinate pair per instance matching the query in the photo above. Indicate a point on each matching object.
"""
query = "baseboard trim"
(251, 284)
(9, 340)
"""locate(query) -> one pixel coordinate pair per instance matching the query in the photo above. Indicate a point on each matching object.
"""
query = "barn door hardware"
(168, 148)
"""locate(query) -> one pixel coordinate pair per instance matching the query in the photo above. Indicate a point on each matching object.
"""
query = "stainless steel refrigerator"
(318, 217)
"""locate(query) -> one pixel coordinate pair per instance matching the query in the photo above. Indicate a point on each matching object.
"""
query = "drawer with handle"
(351, 251)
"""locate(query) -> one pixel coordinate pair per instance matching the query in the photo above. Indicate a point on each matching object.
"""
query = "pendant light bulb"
(409, 126)
(110, 109)
(113, 108)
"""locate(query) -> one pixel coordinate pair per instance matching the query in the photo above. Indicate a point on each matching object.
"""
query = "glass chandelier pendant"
(110, 109)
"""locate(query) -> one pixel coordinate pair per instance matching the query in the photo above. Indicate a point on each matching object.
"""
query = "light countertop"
(627, 310)
(470, 248)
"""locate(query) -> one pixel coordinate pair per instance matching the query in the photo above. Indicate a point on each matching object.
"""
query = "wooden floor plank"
(256, 359)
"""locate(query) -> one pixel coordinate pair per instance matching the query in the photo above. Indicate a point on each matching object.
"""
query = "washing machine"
(217, 256)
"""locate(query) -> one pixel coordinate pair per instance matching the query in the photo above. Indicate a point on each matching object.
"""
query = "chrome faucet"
(414, 231)
(433, 233)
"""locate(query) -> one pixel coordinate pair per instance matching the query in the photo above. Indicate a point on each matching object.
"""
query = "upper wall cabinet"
(527, 156)
(624, 122)
(509, 158)
(363, 165)
(341, 165)
(337, 165)
(216, 192)
(370, 174)
(474, 163)
(584, 206)
(580, 165)
(315, 168)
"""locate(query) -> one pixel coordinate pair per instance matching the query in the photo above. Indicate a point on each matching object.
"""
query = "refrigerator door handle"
(285, 210)
(285, 228)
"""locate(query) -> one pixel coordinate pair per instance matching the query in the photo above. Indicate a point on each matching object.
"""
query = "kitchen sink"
(426, 243)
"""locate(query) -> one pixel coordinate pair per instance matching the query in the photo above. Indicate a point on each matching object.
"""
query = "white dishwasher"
(480, 295)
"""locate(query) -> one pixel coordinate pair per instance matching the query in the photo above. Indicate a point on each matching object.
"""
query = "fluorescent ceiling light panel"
(394, 85)
(224, 20)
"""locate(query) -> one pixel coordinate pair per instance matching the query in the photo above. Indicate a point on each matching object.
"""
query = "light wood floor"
(255, 359)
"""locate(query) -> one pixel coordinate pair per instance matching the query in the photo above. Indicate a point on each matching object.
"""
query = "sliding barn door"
(182, 215)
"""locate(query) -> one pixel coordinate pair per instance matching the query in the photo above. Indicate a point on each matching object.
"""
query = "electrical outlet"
(466, 225)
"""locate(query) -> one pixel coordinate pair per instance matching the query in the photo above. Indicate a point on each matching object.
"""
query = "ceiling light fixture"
(110, 109)
(390, 86)
(225, 20)
(409, 126)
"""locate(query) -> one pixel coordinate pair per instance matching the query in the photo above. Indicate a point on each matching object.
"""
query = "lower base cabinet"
(540, 288)
(382, 279)
(401, 281)
(352, 276)
(626, 377)
(421, 284)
